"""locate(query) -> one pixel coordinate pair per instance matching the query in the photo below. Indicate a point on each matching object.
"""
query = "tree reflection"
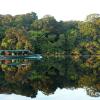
(27, 77)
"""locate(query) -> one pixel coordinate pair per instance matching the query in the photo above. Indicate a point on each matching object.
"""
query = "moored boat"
(35, 56)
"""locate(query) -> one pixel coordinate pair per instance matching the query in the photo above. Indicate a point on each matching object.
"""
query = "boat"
(33, 56)
(18, 54)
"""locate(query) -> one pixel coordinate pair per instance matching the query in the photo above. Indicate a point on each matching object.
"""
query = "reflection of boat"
(18, 64)
(33, 56)
(18, 54)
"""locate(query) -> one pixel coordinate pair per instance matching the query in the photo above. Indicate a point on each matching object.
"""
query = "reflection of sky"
(64, 94)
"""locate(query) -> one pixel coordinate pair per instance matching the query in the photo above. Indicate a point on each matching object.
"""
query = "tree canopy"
(47, 35)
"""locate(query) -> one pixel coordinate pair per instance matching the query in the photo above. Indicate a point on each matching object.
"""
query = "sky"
(60, 9)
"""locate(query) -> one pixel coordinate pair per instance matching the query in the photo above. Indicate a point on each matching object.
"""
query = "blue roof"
(14, 50)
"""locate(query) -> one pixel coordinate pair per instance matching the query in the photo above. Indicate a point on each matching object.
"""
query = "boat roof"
(14, 50)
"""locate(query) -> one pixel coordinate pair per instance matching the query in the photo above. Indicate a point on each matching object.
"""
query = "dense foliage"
(47, 35)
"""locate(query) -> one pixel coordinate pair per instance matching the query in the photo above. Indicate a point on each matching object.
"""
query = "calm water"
(50, 78)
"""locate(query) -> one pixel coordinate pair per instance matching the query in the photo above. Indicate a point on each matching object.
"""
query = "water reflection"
(27, 77)
(60, 94)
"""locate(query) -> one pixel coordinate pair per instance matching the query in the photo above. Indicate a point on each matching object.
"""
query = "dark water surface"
(50, 78)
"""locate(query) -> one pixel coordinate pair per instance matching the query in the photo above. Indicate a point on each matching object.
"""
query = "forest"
(49, 36)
